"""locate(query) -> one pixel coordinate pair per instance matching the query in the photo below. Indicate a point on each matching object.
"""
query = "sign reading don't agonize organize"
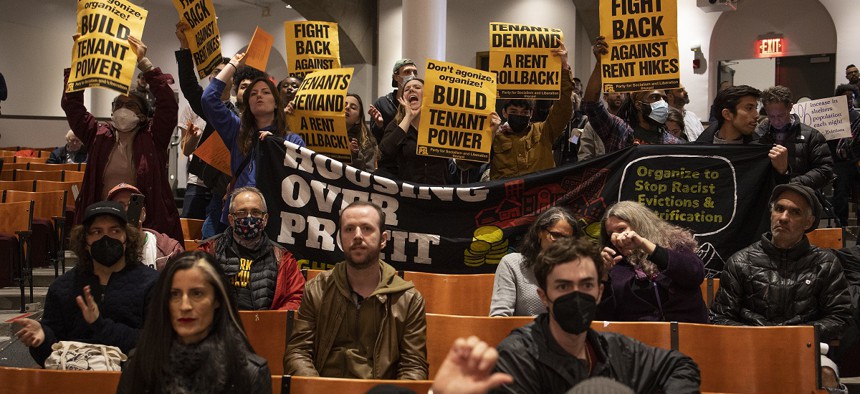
(101, 55)
(469, 228)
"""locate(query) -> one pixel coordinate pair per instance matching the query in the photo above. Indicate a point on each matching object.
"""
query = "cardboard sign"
(828, 115)
(215, 153)
(102, 56)
(204, 38)
(257, 55)
(521, 57)
(318, 112)
(455, 112)
(643, 45)
(311, 46)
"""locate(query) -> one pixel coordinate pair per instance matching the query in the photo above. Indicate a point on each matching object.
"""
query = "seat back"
(38, 175)
(753, 359)
(451, 294)
(73, 188)
(27, 380)
(46, 204)
(54, 167)
(7, 173)
(16, 217)
(442, 330)
(315, 385)
(73, 176)
(656, 334)
(830, 238)
(191, 245)
(191, 228)
(38, 159)
(267, 332)
(709, 289)
(24, 186)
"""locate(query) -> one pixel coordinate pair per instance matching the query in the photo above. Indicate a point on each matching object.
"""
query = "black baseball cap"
(112, 208)
(807, 193)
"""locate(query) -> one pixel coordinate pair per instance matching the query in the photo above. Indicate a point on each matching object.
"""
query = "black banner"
(720, 192)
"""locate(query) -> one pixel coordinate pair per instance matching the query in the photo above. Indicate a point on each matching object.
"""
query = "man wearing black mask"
(521, 147)
(559, 350)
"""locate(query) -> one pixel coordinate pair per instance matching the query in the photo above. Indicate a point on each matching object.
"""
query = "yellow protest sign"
(642, 36)
(521, 58)
(204, 38)
(455, 112)
(318, 112)
(257, 54)
(102, 56)
(311, 46)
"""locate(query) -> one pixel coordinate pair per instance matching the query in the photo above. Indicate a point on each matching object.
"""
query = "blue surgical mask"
(659, 111)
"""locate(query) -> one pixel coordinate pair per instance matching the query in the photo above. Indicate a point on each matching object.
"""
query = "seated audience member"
(383, 111)
(131, 148)
(102, 299)
(73, 152)
(521, 147)
(362, 145)
(193, 339)
(640, 119)
(782, 280)
(262, 116)
(360, 320)
(559, 350)
(265, 275)
(653, 272)
(157, 247)
(808, 161)
(515, 286)
(675, 124)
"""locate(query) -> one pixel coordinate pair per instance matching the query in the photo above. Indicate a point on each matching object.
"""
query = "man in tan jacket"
(360, 320)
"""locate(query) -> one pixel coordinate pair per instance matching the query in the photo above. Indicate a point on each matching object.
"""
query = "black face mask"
(518, 123)
(107, 251)
(574, 312)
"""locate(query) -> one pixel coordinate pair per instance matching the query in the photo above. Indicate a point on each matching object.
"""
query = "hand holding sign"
(561, 52)
(600, 48)
(181, 28)
(779, 158)
(138, 47)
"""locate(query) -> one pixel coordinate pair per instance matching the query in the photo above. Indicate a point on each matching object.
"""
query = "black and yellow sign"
(102, 56)
(521, 57)
(643, 45)
(311, 46)
(318, 112)
(455, 112)
(204, 38)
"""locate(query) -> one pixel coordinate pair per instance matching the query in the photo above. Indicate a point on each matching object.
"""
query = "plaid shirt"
(615, 132)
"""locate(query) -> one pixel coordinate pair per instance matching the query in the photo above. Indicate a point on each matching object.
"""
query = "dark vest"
(264, 270)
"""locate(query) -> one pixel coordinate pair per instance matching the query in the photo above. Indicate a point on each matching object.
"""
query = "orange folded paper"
(215, 153)
(257, 55)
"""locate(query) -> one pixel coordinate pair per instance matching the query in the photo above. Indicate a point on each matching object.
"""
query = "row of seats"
(731, 359)
(15, 174)
(27, 163)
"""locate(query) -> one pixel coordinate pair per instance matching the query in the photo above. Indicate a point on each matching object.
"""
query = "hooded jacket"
(534, 359)
(763, 285)
(809, 160)
(400, 350)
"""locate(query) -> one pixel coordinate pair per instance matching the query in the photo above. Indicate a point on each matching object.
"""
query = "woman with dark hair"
(515, 286)
(102, 299)
(653, 271)
(263, 116)
(362, 145)
(193, 340)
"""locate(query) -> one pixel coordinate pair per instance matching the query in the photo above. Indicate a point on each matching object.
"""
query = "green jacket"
(400, 350)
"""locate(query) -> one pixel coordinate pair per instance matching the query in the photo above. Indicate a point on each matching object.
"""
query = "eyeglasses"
(555, 235)
(245, 213)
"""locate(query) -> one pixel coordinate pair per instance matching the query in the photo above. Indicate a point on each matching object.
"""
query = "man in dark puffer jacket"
(782, 280)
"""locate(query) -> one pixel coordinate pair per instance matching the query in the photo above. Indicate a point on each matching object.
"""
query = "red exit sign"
(770, 47)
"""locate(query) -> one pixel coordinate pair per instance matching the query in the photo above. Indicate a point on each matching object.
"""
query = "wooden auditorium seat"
(27, 380)
(315, 385)
(709, 289)
(268, 332)
(452, 294)
(21, 175)
(24, 186)
(73, 176)
(830, 238)
(49, 219)
(191, 228)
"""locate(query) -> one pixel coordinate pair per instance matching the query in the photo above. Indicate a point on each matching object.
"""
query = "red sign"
(771, 47)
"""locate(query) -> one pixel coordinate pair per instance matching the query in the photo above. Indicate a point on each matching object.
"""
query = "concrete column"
(424, 30)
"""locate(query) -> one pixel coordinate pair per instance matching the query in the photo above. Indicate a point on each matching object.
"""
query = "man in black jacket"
(559, 350)
(782, 280)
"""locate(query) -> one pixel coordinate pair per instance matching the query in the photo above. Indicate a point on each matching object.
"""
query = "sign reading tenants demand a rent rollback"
(521, 56)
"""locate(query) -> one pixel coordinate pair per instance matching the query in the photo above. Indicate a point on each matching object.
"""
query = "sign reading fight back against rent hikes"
(828, 115)
(311, 46)
(204, 38)
(455, 112)
(642, 36)
(102, 56)
(318, 112)
(521, 58)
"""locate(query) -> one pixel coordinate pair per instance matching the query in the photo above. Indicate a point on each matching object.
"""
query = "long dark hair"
(227, 334)
(530, 246)
(364, 137)
(78, 243)
(248, 128)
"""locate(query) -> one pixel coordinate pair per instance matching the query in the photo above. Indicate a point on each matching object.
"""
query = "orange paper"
(257, 54)
(215, 153)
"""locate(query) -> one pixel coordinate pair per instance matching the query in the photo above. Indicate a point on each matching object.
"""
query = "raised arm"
(187, 77)
(166, 108)
(614, 132)
(216, 112)
(559, 113)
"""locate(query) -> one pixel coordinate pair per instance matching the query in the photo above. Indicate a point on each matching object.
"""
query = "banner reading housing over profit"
(643, 45)
(204, 38)
(455, 115)
(102, 56)
(828, 115)
(720, 192)
(318, 112)
(311, 46)
(521, 58)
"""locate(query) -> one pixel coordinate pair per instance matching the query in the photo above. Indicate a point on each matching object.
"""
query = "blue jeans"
(212, 225)
(195, 202)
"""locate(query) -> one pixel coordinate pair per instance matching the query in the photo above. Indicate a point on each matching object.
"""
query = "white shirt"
(692, 125)
(150, 251)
